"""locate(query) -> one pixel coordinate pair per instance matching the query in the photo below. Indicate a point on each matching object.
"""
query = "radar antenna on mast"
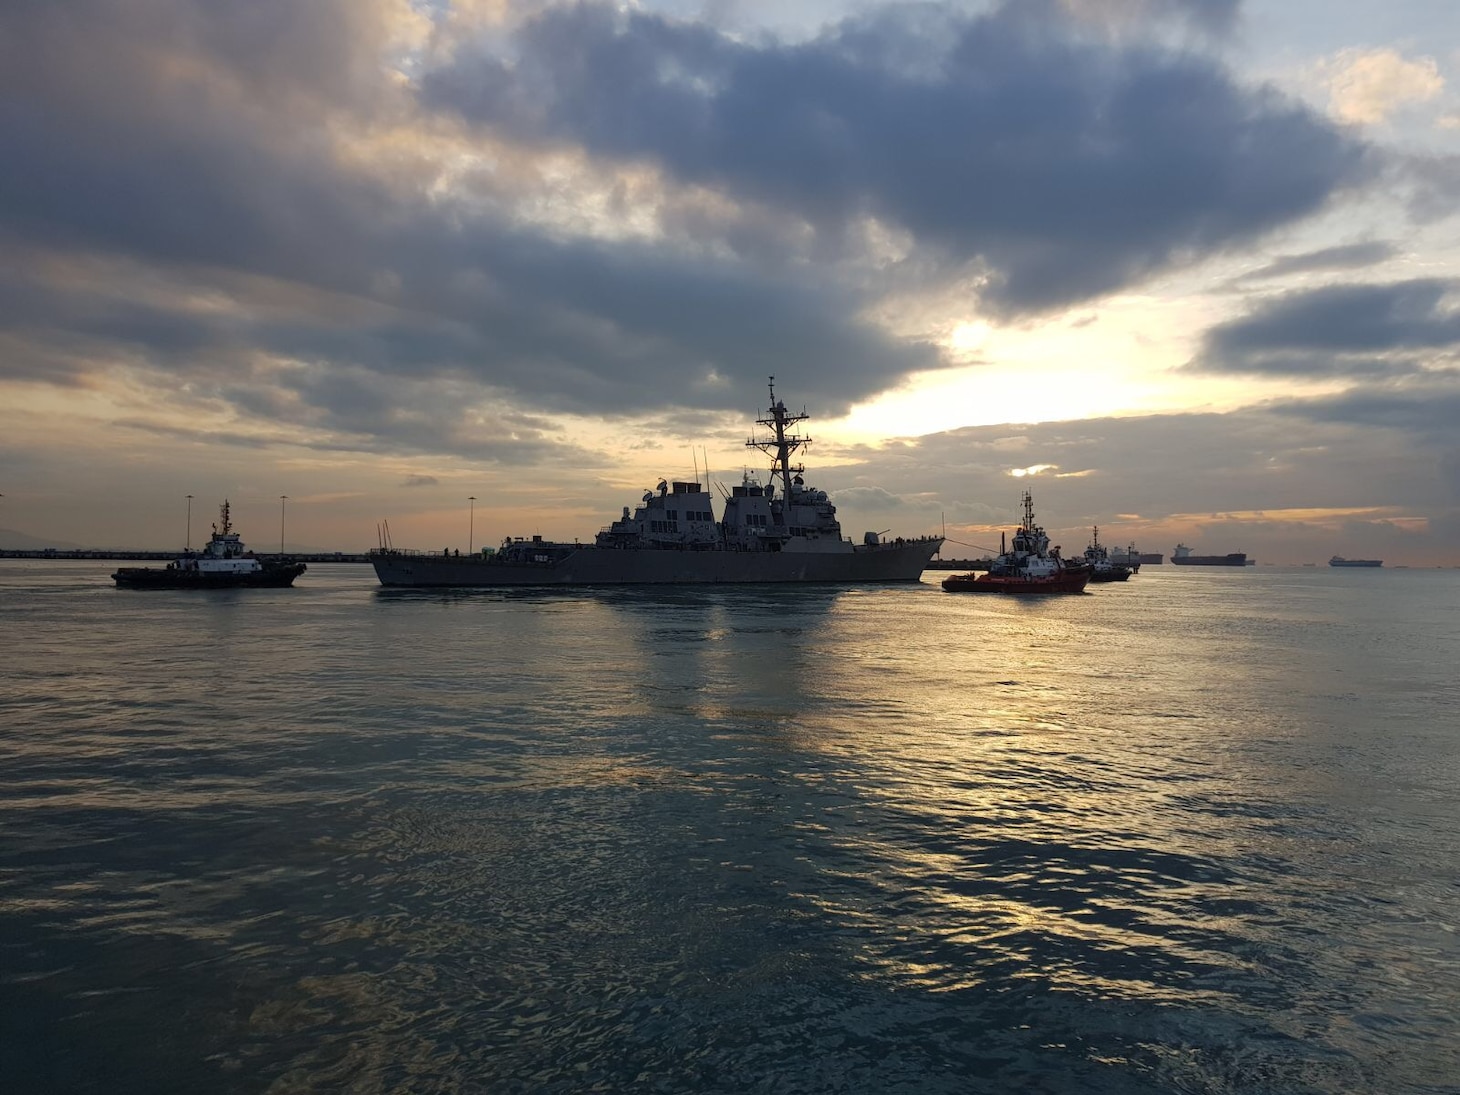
(780, 446)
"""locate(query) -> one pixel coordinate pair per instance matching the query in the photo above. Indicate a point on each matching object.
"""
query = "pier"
(168, 556)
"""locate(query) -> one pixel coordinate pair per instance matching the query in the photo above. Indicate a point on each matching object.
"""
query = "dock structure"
(124, 553)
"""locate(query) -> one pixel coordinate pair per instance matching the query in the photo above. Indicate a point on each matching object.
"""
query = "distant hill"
(10, 540)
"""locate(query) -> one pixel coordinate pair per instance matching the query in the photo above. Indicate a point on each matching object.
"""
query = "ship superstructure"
(1128, 557)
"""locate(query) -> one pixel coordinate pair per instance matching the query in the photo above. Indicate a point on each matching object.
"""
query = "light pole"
(471, 523)
(282, 499)
(188, 543)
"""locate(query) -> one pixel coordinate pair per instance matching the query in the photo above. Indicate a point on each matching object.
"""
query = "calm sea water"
(1196, 833)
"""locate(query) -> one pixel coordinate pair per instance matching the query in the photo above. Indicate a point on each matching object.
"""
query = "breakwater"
(165, 556)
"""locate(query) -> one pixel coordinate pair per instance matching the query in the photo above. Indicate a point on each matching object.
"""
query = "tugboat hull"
(1068, 582)
(271, 577)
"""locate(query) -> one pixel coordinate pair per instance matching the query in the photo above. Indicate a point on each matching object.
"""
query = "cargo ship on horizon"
(1340, 561)
(673, 538)
(1182, 556)
(1129, 557)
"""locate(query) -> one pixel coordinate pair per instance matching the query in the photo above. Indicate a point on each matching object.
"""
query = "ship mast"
(780, 447)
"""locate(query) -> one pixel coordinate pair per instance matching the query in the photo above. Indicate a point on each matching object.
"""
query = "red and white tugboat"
(1102, 567)
(1029, 566)
(223, 564)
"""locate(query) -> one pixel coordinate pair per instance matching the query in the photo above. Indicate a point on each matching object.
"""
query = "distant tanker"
(1183, 557)
(1340, 561)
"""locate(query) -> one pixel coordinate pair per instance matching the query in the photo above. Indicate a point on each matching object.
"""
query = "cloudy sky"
(1186, 269)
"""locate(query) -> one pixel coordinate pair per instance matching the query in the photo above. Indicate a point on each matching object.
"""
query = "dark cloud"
(265, 266)
(1449, 467)
(420, 481)
(592, 327)
(1424, 413)
(575, 327)
(198, 139)
(1216, 17)
(1340, 330)
(414, 432)
(1066, 166)
(219, 439)
(185, 131)
(871, 498)
(1350, 256)
(1296, 455)
(1433, 184)
(1200, 477)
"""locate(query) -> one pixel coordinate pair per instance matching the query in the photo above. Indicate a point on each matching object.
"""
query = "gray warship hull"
(573, 565)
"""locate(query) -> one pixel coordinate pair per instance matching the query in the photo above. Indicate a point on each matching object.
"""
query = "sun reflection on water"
(1142, 839)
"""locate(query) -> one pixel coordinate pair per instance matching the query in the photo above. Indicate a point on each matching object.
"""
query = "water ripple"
(1190, 835)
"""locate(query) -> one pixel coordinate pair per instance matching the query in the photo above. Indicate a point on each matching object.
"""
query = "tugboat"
(1102, 567)
(1030, 566)
(224, 563)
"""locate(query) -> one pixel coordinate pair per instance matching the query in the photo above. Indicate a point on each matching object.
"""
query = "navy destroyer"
(779, 531)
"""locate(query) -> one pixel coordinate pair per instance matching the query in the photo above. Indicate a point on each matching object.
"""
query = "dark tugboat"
(1029, 566)
(223, 563)
(1102, 567)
